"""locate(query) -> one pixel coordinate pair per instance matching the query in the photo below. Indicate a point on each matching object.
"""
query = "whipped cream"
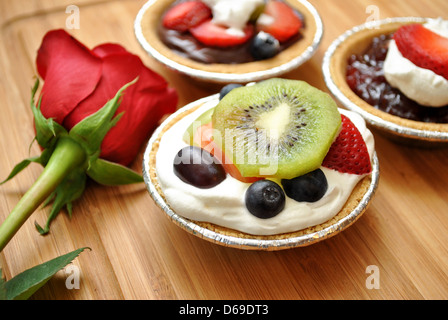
(233, 14)
(224, 204)
(419, 84)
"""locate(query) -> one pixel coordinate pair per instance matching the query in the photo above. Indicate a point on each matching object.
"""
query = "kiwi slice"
(276, 128)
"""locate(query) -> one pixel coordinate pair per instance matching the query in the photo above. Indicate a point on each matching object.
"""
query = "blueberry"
(198, 167)
(264, 46)
(226, 89)
(309, 187)
(265, 199)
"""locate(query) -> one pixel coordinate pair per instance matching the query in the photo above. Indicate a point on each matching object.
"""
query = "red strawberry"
(214, 35)
(186, 15)
(423, 47)
(348, 153)
(285, 22)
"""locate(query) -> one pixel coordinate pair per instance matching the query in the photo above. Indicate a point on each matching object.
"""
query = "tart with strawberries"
(223, 41)
(394, 72)
(270, 165)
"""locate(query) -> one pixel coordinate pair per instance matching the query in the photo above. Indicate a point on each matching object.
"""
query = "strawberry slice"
(348, 153)
(211, 34)
(424, 48)
(279, 20)
(186, 15)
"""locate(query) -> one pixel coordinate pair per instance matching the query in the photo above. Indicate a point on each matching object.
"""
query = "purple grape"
(198, 167)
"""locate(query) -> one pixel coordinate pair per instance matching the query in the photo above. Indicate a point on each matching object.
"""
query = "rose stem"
(67, 155)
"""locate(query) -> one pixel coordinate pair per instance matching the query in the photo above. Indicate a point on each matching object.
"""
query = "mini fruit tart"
(394, 73)
(269, 166)
(229, 41)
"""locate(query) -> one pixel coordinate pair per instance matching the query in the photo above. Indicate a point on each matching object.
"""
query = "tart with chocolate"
(270, 166)
(393, 72)
(222, 41)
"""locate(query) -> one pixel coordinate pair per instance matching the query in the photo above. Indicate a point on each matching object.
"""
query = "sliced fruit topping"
(424, 48)
(265, 199)
(186, 15)
(309, 187)
(279, 20)
(264, 46)
(200, 134)
(204, 138)
(276, 128)
(190, 135)
(198, 167)
(214, 35)
(348, 153)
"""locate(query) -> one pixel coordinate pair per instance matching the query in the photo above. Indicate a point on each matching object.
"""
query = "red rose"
(96, 109)
(79, 81)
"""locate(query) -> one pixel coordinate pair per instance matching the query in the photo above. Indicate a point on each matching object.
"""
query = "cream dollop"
(419, 84)
(233, 14)
(224, 204)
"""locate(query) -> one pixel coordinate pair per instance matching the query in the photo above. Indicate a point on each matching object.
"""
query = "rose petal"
(150, 106)
(71, 73)
(144, 103)
(106, 49)
(117, 71)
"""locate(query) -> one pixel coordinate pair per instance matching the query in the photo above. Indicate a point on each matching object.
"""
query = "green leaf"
(42, 159)
(70, 189)
(91, 131)
(47, 130)
(25, 284)
(112, 174)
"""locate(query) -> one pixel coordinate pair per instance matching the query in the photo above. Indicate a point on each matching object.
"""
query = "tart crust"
(358, 43)
(355, 198)
(151, 19)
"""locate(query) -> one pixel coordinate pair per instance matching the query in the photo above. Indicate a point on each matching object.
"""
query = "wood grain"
(137, 253)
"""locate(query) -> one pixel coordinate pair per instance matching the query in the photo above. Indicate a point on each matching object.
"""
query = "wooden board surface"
(137, 253)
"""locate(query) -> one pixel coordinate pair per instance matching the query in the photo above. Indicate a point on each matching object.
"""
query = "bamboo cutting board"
(137, 253)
